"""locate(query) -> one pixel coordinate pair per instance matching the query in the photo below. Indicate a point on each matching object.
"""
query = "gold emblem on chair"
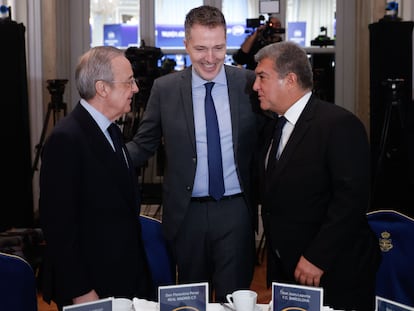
(385, 242)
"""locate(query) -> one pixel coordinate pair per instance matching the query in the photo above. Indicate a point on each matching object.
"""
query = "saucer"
(218, 307)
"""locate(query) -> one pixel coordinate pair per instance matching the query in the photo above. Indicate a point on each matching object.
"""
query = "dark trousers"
(215, 244)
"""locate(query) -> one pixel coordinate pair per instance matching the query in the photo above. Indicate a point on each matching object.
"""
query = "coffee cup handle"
(229, 298)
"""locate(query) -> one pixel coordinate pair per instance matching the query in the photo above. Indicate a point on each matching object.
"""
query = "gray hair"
(94, 65)
(289, 57)
(204, 15)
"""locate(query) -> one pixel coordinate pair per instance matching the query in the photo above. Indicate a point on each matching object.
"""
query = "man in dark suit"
(89, 203)
(315, 190)
(212, 239)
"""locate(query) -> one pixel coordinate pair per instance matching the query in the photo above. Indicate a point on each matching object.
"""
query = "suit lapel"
(187, 102)
(233, 85)
(300, 130)
(268, 130)
(186, 94)
(103, 152)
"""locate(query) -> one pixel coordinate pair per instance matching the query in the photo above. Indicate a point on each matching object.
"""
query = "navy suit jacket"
(169, 116)
(315, 201)
(89, 205)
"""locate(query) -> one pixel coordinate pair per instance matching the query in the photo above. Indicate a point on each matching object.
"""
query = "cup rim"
(245, 291)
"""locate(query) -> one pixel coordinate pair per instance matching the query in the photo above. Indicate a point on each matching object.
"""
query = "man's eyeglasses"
(131, 82)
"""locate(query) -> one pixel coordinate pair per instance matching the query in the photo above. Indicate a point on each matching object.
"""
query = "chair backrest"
(18, 289)
(395, 233)
(159, 257)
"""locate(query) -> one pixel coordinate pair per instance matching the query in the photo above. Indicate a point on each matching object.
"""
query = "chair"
(17, 284)
(395, 233)
(159, 257)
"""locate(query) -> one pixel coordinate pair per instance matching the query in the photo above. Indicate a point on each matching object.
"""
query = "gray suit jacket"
(168, 117)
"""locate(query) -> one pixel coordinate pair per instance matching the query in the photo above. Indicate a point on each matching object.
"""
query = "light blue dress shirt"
(221, 103)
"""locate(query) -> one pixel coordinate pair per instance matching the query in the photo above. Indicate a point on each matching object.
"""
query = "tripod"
(56, 88)
(390, 140)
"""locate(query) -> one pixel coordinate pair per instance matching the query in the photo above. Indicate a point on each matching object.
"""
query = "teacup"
(122, 304)
(243, 300)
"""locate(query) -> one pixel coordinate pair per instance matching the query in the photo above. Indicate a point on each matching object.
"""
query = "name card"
(191, 297)
(383, 304)
(98, 305)
(296, 297)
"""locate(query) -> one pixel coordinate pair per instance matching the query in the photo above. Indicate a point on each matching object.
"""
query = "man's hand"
(307, 273)
(88, 297)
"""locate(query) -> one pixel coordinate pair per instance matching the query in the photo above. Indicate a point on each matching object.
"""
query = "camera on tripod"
(56, 88)
(267, 34)
(57, 108)
(395, 89)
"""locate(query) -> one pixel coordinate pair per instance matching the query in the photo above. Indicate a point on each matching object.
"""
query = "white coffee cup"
(243, 300)
(121, 304)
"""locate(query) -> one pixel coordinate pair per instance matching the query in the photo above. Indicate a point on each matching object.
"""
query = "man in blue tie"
(210, 229)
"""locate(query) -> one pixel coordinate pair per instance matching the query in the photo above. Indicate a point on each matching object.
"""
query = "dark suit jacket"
(89, 215)
(315, 202)
(169, 114)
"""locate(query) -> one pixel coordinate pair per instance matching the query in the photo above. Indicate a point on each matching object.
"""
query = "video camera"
(268, 32)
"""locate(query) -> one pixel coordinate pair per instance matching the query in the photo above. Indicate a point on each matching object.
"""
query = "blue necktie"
(215, 165)
(277, 134)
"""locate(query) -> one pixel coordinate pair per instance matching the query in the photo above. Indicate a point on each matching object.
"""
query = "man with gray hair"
(315, 184)
(89, 199)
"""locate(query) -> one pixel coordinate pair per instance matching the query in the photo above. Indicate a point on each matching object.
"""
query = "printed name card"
(389, 305)
(296, 297)
(98, 305)
(191, 297)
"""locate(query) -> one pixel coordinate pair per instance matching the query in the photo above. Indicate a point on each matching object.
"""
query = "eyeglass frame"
(130, 82)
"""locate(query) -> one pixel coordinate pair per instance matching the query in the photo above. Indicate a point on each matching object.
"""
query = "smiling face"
(121, 89)
(206, 47)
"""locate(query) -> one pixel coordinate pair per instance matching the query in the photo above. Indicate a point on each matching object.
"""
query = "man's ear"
(101, 88)
(291, 79)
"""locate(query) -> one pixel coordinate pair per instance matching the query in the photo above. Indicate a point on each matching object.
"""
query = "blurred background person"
(89, 199)
(315, 186)
(269, 32)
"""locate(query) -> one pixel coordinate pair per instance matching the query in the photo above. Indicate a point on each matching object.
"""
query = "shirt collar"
(102, 121)
(294, 112)
(219, 79)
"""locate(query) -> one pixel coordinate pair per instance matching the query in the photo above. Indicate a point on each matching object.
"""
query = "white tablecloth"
(145, 305)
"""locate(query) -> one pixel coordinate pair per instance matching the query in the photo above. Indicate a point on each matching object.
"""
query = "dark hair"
(289, 57)
(204, 15)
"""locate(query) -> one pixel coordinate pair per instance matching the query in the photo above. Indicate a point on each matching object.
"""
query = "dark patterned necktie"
(277, 134)
(215, 165)
(117, 139)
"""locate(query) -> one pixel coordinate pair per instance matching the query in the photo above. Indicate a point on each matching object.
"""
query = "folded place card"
(383, 304)
(289, 297)
(98, 305)
(185, 297)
